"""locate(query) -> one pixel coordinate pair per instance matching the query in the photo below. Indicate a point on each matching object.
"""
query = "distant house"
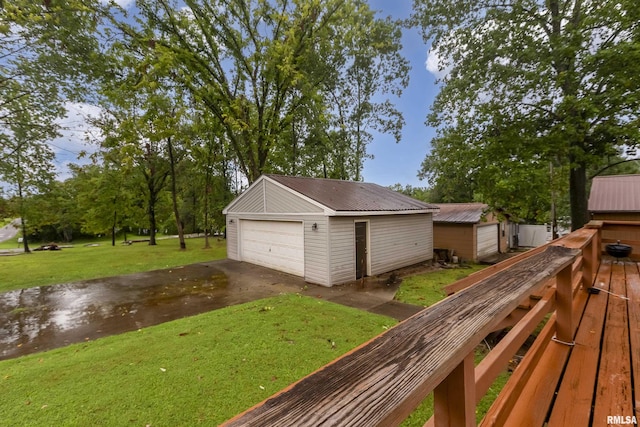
(617, 198)
(327, 231)
(471, 230)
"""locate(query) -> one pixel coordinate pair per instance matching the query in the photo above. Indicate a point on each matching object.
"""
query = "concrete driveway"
(10, 230)
(42, 318)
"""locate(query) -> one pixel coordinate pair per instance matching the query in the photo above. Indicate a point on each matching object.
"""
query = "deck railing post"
(564, 305)
(454, 400)
(589, 261)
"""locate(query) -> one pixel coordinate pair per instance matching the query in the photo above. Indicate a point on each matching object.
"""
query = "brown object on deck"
(382, 381)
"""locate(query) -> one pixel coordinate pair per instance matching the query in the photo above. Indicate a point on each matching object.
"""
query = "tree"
(211, 181)
(138, 121)
(27, 163)
(105, 196)
(369, 66)
(528, 84)
(419, 193)
(45, 50)
(256, 66)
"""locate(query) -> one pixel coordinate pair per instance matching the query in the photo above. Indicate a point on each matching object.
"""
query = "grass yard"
(198, 370)
(89, 262)
(427, 289)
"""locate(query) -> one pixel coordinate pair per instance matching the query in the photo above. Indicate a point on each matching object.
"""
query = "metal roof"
(460, 212)
(615, 193)
(351, 196)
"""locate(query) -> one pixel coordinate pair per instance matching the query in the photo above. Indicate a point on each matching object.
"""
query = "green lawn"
(427, 289)
(199, 370)
(89, 262)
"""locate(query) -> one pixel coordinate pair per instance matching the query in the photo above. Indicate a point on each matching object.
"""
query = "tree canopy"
(533, 93)
(44, 48)
(270, 72)
(196, 99)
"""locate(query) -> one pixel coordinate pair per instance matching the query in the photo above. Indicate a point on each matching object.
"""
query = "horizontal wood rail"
(384, 380)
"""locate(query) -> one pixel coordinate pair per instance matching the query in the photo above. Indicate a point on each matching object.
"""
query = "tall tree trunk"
(152, 224)
(174, 195)
(113, 228)
(578, 195)
(23, 224)
(207, 195)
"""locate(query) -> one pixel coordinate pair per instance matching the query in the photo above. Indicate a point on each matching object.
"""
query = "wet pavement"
(47, 317)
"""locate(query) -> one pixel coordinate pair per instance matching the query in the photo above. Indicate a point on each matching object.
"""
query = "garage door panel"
(274, 244)
(487, 238)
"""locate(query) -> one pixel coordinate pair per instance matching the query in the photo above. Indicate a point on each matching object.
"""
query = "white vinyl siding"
(273, 244)
(487, 240)
(279, 200)
(232, 237)
(399, 241)
(316, 250)
(395, 241)
(342, 255)
(252, 200)
(261, 230)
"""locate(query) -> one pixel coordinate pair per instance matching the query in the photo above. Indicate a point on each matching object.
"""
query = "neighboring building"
(617, 198)
(327, 231)
(469, 229)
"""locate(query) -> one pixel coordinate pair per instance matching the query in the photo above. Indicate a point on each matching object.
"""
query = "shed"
(617, 198)
(327, 231)
(471, 230)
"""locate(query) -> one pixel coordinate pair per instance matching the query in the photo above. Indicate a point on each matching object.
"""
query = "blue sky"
(399, 163)
(392, 163)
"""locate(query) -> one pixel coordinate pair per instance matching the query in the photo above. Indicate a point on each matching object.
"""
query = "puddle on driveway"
(43, 318)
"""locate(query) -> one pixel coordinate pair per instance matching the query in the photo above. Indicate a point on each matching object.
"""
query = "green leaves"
(263, 68)
(529, 84)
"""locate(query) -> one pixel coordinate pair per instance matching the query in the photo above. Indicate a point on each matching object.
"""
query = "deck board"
(596, 381)
(632, 270)
(613, 387)
(575, 395)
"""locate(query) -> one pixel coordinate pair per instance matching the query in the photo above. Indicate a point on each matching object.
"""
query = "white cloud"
(435, 65)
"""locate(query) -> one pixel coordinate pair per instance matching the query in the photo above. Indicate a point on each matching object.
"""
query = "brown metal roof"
(615, 193)
(460, 212)
(351, 196)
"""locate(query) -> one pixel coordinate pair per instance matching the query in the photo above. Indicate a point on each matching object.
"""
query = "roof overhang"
(326, 211)
(375, 213)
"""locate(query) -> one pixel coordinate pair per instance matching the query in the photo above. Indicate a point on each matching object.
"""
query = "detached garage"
(327, 231)
(470, 230)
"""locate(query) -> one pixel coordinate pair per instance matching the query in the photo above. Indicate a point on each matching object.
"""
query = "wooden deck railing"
(384, 380)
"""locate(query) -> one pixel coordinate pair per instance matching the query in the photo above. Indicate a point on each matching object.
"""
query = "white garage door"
(487, 240)
(274, 244)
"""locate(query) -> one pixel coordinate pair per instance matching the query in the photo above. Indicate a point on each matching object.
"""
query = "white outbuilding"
(328, 231)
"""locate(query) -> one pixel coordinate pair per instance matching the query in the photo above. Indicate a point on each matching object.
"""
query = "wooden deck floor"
(604, 364)
(589, 383)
